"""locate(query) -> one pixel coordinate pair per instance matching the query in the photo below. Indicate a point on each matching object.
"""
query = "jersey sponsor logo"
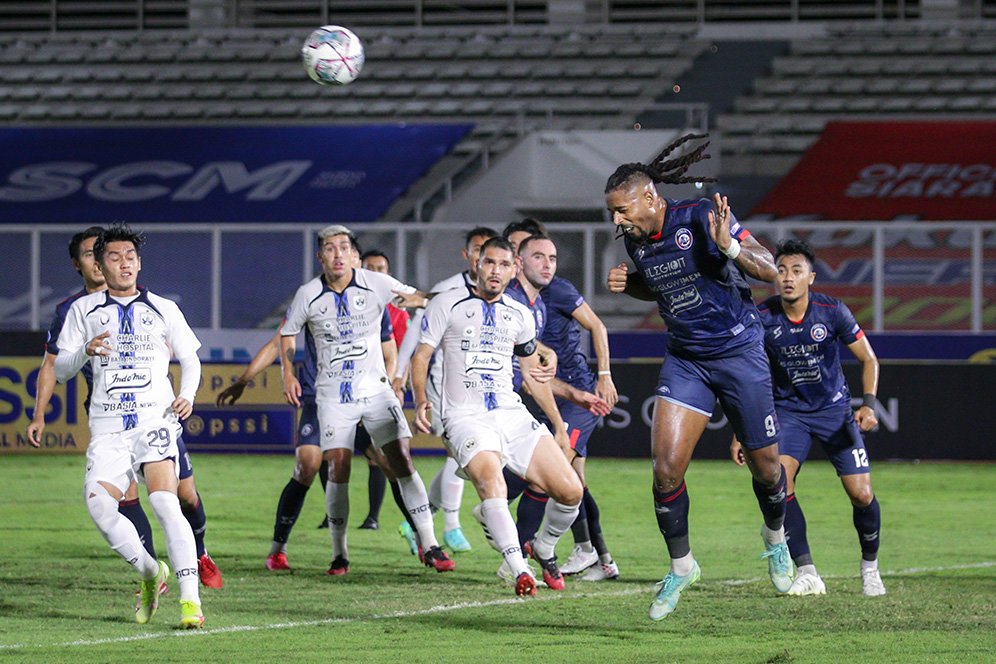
(818, 332)
(469, 313)
(804, 375)
(127, 380)
(104, 318)
(683, 238)
(483, 361)
(682, 299)
(777, 332)
(351, 351)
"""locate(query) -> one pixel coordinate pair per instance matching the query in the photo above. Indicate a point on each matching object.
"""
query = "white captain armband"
(526, 349)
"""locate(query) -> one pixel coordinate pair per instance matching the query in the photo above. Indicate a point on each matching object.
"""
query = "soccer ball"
(332, 55)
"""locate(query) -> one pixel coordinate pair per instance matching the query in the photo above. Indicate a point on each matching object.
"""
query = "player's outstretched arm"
(43, 394)
(263, 358)
(190, 379)
(752, 257)
(589, 320)
(587, 400)
(420, 373)
(865, 415)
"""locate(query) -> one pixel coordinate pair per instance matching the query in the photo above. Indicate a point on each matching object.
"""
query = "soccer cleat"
(190, 615)
(369, 524)
(669, 592)
(601, 572)
(525, 585)
(209, 572)
(277, 561)
(579, 561)
(148, 601)
(324, 525)
(779, 565)
(872, 582)
(807, 584)
(409, 535)
(163, 589)
(456, 540)
(339, 567)
(437, 559)
(552, 577)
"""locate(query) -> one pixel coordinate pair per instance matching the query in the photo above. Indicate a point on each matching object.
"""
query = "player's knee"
(666, 477)
(340, 468)
(306, 469)
(862, 496)
(186, 492)
(572, 492)
(99, 503)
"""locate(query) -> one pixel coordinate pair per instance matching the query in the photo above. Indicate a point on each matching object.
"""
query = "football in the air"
(332, 55)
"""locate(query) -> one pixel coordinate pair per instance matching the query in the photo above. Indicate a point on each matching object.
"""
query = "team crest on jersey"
(147, 320)
(506, 316)
(359, 300)
(307, 430)
(329, 433)
(818, 332)
(470, 443)
(683, 238)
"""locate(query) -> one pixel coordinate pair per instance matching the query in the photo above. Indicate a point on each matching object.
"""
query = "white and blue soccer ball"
(333, 55)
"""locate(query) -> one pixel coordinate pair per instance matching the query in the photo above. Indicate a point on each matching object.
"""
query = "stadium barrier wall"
(926, 410)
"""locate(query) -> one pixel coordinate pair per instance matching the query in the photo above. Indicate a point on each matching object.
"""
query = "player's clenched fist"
(617, 278)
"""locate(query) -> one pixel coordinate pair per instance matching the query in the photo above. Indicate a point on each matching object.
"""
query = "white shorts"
(117, 458)
(381, 414)
(511, 432)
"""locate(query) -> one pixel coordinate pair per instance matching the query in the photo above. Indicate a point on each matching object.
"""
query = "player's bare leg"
(416, 499)
(867, 522)
(307, 459)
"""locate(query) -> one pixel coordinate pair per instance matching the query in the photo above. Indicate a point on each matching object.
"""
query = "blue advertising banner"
(241, 429)
(213, 174)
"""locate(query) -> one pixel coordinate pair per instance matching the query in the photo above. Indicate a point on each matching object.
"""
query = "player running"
(691, 258)
(126, 335)
(801, 333)
(479, 329)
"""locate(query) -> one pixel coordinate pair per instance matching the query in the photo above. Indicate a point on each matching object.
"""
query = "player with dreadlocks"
(691, 257)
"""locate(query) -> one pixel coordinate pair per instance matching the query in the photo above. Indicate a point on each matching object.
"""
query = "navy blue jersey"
(538, 309)
(702, 295)
(805, 356)
(309, 369)
(52, 342)
(563, 333)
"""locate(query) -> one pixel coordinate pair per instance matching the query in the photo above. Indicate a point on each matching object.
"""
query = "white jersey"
(131, 384)
(477, 340)
(410, 342)
(346, 329)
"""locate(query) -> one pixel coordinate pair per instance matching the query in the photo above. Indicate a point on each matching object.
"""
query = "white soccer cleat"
(807, 584)
(872, 582)
(601, 572)
(579, 560)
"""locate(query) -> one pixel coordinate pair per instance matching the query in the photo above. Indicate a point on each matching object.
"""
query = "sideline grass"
(64, 597)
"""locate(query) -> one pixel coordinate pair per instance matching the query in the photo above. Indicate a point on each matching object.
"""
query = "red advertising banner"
(884, 170)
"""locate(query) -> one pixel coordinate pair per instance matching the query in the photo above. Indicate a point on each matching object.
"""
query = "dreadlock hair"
(661, 169)
(77, 240)
(117, 232)
(793, 247)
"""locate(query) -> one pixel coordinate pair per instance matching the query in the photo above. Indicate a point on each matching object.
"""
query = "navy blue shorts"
(186, 469)
(307, 423)
(742, 384)
(836, 431)
(580, 422)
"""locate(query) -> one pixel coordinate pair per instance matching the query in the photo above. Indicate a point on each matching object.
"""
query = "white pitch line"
(444, 608)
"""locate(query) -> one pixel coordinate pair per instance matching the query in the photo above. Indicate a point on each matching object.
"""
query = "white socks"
(446, 493)
(556, 520)
(417, 504)
(179, 541)
(503, 533)
(337, 509)
(773, 536)
(683, 566)
(119, 532)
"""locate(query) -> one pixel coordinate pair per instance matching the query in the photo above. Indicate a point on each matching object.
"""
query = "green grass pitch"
(65, 597)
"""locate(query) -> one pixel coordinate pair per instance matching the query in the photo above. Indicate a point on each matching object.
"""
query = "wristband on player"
(605, 373)
(868, 400)
(733, 250)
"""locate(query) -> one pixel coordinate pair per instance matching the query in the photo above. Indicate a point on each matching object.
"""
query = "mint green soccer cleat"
(456, 541)
(780, 567)
(148, 600)
(669, 591)
(409, 535)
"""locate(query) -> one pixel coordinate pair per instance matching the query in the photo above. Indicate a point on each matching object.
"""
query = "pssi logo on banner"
(144, 180)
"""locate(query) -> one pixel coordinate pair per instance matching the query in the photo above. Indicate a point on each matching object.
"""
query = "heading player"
(802, 329)
(691, 258)
(126, 335)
